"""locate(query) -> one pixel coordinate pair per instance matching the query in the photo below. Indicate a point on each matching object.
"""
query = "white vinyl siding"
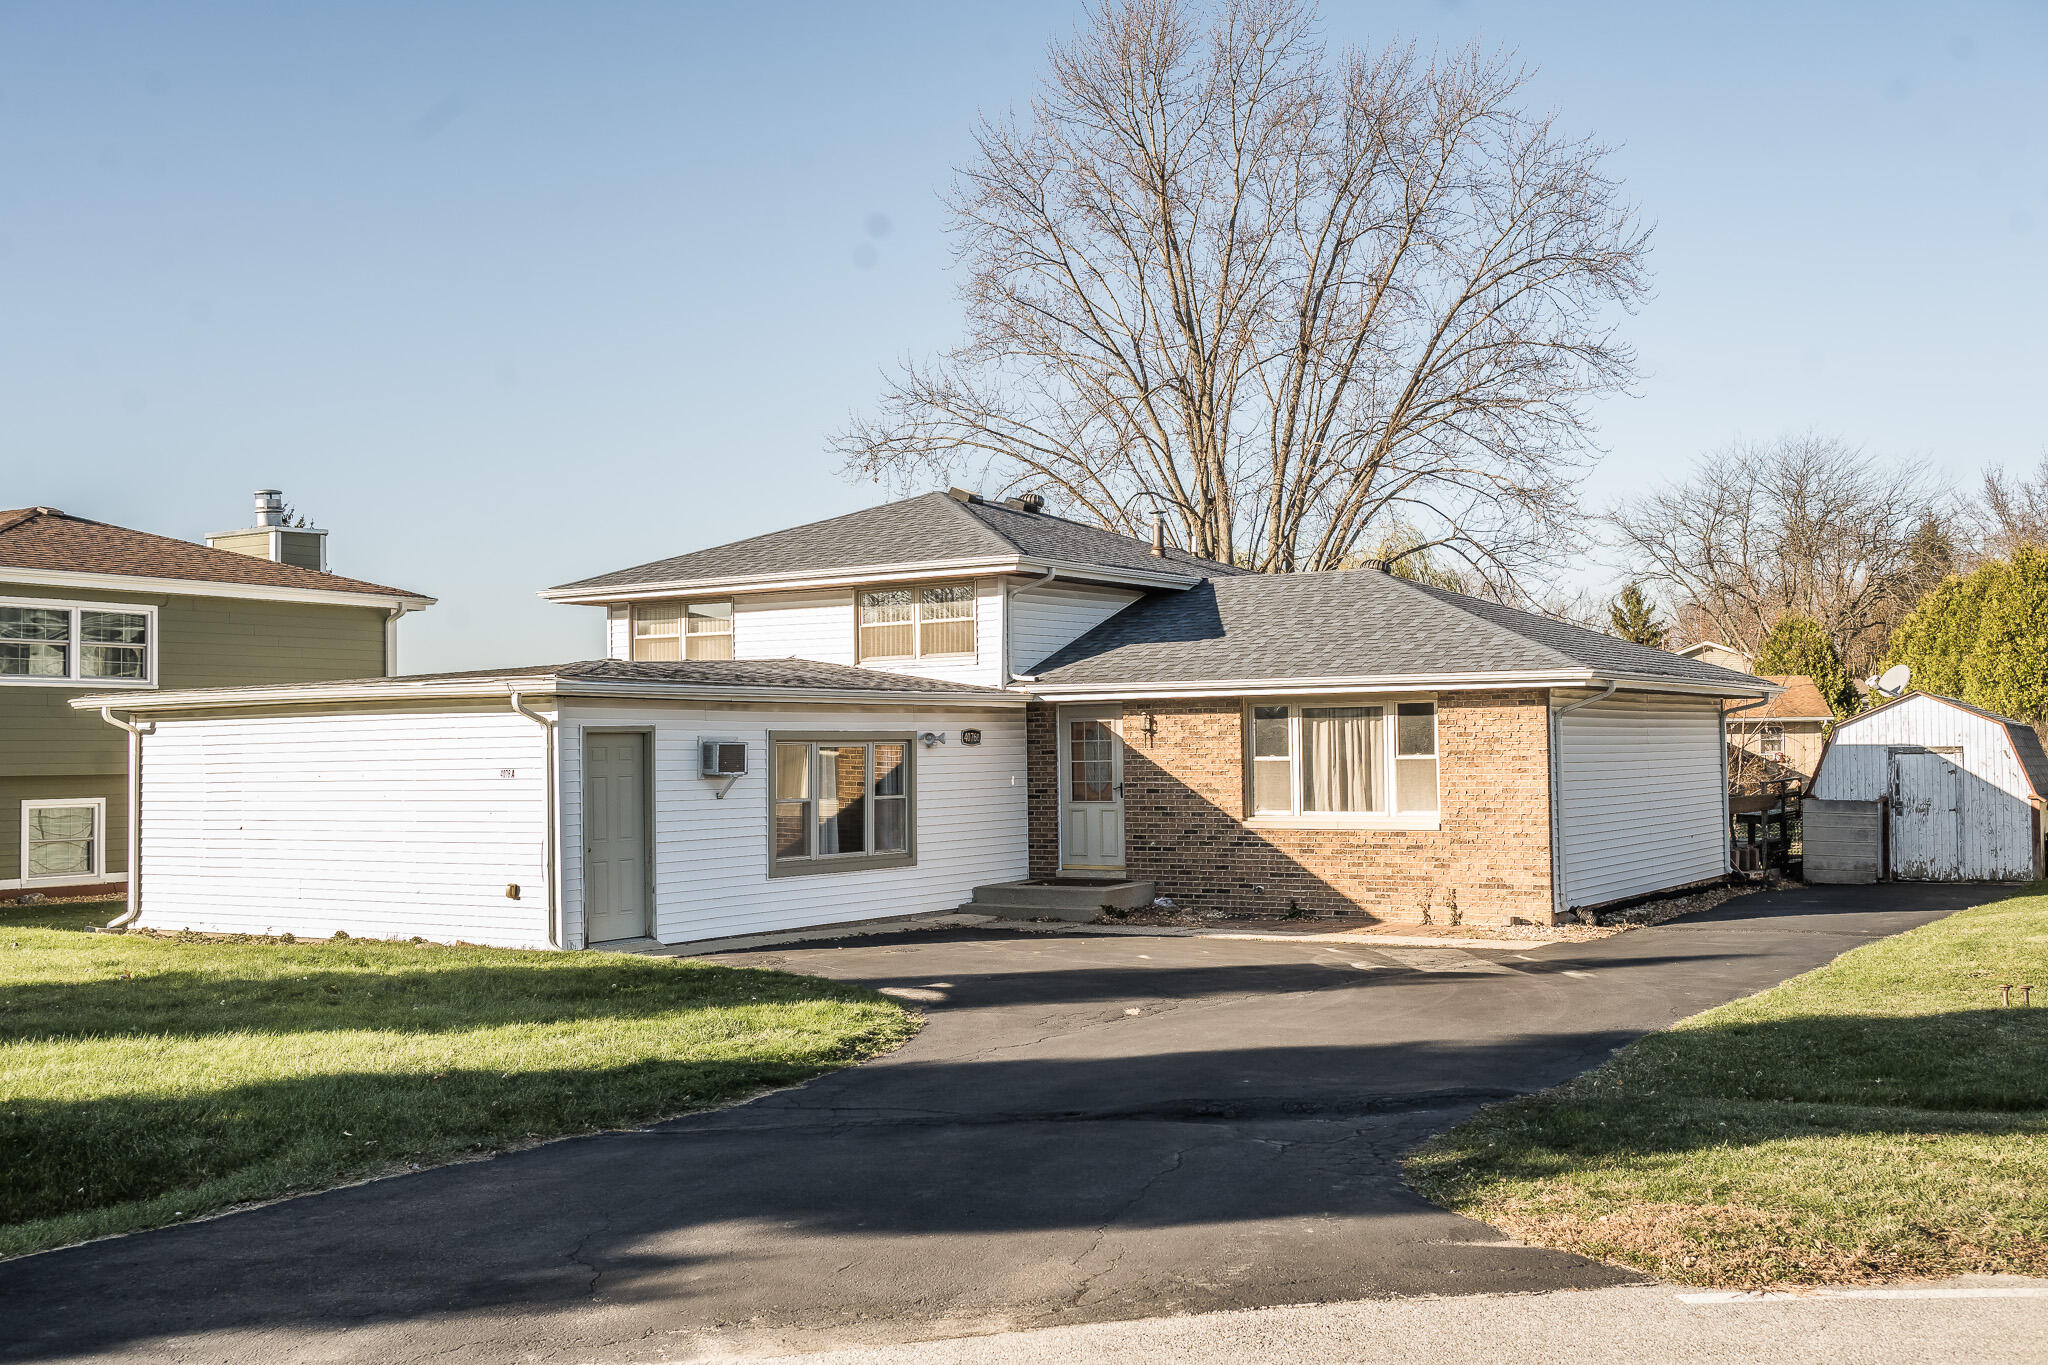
(820, 625)
(1044, 619)
(385, 824)
(618, 631)
(1997, 819)
(711, 852)
(1641, 796)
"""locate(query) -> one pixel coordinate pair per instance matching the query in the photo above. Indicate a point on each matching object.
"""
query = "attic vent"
(1028, 502)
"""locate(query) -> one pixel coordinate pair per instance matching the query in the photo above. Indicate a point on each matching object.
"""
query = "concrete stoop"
(1075, 902)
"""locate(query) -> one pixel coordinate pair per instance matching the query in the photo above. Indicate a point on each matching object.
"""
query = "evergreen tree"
(1797, 644)
(1633, 619)
(2006, 668)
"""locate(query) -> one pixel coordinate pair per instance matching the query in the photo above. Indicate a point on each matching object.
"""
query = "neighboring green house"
(89, 607)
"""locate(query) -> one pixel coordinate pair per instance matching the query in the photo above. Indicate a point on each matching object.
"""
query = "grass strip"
(1884, 1117)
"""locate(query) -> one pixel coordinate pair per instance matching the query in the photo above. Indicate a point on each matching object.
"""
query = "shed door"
(1927, 818)
(614, 837)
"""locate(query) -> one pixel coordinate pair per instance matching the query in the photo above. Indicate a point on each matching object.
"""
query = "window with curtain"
(707, 630)
(60, 840)
(840, 803)
(664, 632)
(58, 643)
(1358, 758)
(911, 623)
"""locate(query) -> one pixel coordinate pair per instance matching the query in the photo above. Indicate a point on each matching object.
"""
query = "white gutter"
(1010, 595)
(493, 688)
(1249, 687)
(200, 587)
(853, 577)
(548, 837)
(135, 734)
(1558, 906)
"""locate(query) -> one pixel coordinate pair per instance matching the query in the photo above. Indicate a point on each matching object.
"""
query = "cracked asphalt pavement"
(1088, 1129)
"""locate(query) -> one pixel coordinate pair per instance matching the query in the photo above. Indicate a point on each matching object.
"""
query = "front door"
(1091, 790)
(614, 837)
(1926, 818)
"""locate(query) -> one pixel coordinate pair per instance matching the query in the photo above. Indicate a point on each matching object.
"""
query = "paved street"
(1090, 1129)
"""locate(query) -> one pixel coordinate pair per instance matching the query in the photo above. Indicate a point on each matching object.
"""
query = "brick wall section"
(1489, 860)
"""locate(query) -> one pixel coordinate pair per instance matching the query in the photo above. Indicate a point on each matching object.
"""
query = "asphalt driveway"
(1089, 1128)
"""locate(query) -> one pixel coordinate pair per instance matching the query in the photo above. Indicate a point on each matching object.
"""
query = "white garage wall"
(1642, 784)
(382, 824)
(711, 854)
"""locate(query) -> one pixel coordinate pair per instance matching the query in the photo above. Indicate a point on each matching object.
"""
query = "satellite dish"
(1894, 679)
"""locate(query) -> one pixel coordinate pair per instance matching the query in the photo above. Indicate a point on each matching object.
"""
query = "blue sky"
(507, 294)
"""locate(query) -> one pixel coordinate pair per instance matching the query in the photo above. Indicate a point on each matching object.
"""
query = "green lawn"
(145, 1080)
(1880, 1118)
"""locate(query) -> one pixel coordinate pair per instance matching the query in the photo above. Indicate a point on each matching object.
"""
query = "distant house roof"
(1800, 700)
(739, 678)
(1695, 650)
(1351, 625)
(46, 540)
(934, 529)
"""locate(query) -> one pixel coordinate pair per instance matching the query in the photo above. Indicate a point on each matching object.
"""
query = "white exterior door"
(1927, 818)
(614, 837)
(1091, 789)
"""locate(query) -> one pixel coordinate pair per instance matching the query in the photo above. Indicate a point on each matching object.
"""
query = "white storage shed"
(1927, 788)
(572, 804)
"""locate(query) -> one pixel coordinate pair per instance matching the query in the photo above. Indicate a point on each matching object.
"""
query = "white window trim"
(99, 842)
(918, 650)
(1364, 820)
(77, 656)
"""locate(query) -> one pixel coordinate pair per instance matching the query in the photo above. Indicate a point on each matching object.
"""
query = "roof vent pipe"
(269, 507)
(1159, 535)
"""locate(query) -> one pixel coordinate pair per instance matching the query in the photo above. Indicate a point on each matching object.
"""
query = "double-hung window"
(57, 643)
(840, 802)
(664, 632)
(1343, 762)
(63, 840)
(914, 623)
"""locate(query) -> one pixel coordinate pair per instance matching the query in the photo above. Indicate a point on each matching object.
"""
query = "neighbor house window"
(1354, 759)
(912, 623)
(60, 642)
(1773, 738)
(63, 840)
(840, 803)
(664, 632)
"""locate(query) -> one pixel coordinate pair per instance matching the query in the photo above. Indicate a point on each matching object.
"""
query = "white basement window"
(840, 803)
(1343, 762)
(664, 632)
(918, 622)
(63, 840)
(45, 643)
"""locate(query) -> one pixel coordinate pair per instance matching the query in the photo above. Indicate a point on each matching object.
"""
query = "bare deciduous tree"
(1806, 525)
(2011, 512)
(1290, 298)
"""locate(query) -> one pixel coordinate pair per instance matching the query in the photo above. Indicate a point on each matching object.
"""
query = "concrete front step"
(1078, 902)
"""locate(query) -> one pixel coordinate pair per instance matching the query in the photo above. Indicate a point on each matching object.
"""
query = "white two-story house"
(876, 714)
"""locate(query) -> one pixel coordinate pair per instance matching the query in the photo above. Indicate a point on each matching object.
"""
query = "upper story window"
(1350, 762)
(59, 643)
(666, 631)
(916, 623)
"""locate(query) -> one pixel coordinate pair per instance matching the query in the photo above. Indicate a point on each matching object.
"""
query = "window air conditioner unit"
(721, 758)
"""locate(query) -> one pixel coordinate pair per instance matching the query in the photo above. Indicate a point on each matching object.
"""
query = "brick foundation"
(1184, 798)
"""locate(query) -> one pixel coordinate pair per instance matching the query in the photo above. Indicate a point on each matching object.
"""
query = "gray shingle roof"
(1358, 623)
(933, 527)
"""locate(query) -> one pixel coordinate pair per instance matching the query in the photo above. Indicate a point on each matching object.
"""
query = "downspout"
(1010, 595)
(1557, 788)
(553, 779)
(135, 734)
(392, 616)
